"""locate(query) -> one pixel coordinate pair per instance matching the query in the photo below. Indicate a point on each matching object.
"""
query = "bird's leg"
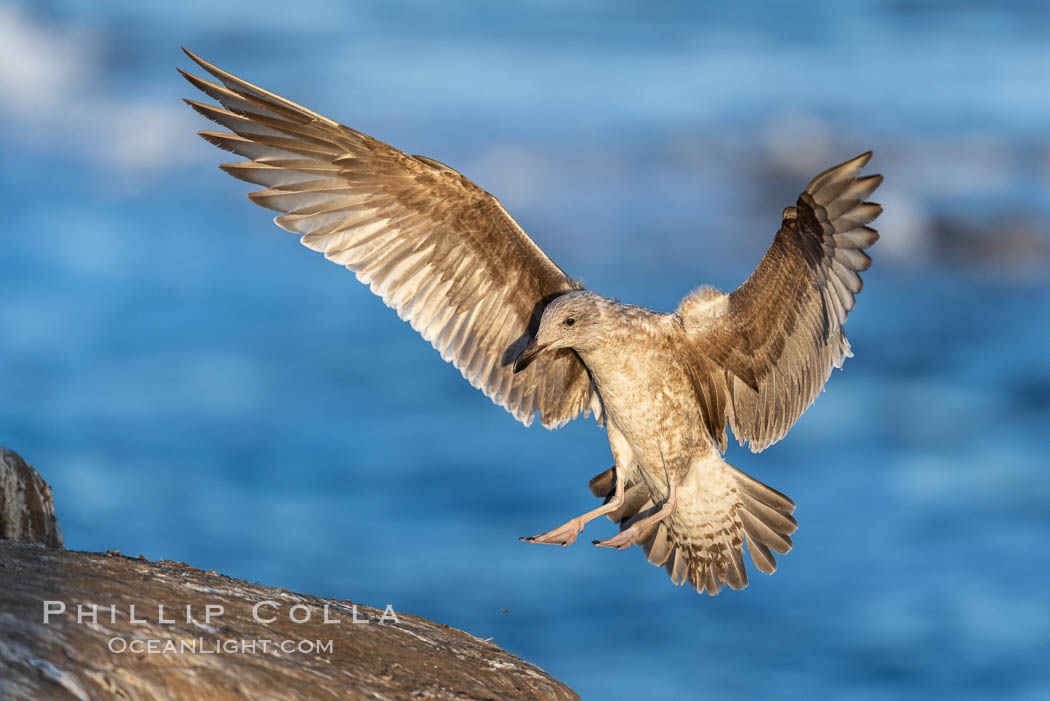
(629, 536)
(566, 533)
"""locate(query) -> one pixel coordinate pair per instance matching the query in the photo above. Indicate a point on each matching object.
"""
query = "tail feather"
(719, 510)
(736, 575)
(761, 556)
(762, 493)
(777, 521)
(658, 548)
(762, 533)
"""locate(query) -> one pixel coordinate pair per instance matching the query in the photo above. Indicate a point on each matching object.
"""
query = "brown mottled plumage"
(437, 248)
(450, 260)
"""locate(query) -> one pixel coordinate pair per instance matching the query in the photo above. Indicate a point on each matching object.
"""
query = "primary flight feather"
(450, 260)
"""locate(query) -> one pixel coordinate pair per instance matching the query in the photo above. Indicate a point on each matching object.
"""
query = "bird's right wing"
(775, 339)
(437, 248)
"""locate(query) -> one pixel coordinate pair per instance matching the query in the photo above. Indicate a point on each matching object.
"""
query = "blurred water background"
(196, 386)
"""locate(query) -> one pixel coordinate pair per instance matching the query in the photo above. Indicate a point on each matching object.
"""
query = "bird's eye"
(570, 321)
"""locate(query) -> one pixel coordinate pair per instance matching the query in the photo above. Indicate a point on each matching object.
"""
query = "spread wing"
(437, 248)
(776, 338)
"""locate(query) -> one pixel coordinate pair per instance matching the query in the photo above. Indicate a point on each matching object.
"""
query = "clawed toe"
(563, 535)
(619, 542)
(566, 533)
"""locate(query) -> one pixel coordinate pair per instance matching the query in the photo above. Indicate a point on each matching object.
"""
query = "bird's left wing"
(774, 340)
(436, 247)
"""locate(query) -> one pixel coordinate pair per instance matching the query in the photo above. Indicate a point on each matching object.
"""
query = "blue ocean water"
(196, 386)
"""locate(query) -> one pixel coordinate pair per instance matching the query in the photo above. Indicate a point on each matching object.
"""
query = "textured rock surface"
(27, 510)
(65, 659)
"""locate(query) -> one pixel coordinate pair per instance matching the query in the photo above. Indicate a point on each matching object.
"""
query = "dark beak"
(528, 355)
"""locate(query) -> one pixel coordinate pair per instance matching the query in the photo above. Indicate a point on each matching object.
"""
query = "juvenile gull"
(450, 260)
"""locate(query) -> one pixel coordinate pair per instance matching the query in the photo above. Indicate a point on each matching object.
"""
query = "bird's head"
(570, 321)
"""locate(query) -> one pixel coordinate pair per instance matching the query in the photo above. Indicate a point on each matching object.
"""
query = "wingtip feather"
(211, 68)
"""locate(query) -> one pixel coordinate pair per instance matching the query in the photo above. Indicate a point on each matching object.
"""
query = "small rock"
(27, 508)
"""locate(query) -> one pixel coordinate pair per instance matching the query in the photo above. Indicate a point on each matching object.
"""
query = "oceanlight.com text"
(202, 646)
